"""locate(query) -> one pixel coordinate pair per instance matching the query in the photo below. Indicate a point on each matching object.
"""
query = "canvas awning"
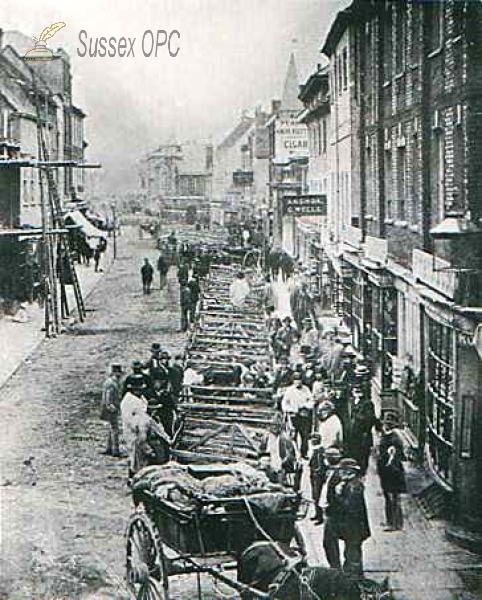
(77, 218)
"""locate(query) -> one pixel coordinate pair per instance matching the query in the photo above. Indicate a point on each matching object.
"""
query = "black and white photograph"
(241, 300)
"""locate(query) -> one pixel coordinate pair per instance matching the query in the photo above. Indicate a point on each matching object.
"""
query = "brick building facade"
(412, 289)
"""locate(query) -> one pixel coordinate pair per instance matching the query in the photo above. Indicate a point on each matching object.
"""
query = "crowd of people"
(324, 426)
(143, 404)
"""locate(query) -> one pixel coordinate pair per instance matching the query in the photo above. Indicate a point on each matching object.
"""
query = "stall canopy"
(77, 218)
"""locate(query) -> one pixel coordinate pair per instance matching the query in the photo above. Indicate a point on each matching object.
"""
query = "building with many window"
(405, 205)
(175, 179)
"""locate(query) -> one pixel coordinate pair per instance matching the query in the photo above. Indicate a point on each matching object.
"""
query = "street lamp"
(114, 223)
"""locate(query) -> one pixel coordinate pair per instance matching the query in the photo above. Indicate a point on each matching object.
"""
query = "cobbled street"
(64, 505)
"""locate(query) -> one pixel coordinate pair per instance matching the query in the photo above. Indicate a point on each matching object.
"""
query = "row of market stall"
(198, 513)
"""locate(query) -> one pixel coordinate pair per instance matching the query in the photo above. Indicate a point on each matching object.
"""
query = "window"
(468, 411)
(439, 175)
(416, 41)
(388, 184)
(401, 183)
(436, 17)
(414, 187)
(458, 17)
(387, 43)
(440, 395)
(345, 68)
(323, 136)
(369, 180)
(401, 38)
(340, 75)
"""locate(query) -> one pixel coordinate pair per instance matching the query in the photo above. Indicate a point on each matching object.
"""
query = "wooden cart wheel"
(146, 568)
(151, 589)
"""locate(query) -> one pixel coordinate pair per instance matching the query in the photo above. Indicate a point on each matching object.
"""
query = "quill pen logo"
(41, 52)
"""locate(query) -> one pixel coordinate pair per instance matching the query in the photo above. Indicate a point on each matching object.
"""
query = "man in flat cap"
(111, 399)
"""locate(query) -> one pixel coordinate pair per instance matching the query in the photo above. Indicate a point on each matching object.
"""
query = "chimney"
(1, 39)
(275, 106)
(209, 158)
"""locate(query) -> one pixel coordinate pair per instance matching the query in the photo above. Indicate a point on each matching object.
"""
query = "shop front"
(439, 394)
(335, 282)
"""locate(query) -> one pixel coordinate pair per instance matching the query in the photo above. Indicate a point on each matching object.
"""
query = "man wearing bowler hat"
(136, 382)
(362, 421)
(111, 399)
(156, 366)
(347, 518)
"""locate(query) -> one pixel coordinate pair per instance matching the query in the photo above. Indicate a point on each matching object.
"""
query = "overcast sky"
(233, 55)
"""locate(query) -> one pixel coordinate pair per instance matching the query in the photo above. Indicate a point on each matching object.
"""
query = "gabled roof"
(338, 28)
(237, 133)
(21, 69)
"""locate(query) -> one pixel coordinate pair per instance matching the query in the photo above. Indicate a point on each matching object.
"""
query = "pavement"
(64, 506)
(419, 561)
(19, 340)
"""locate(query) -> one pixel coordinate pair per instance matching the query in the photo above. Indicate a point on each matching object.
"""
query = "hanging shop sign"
(291, 137)
(306, 205)
(242, 178)
(261, 143)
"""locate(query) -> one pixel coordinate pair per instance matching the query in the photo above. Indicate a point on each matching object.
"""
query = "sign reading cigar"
(306, 205)
(291, 137)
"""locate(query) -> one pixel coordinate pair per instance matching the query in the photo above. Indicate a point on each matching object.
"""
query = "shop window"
(440, 396)
(466, 442)
(390, 339)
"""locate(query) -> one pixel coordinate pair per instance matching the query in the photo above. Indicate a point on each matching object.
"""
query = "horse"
(273, 568)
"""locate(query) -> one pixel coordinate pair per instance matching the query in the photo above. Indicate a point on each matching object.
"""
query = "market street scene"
(241, 300)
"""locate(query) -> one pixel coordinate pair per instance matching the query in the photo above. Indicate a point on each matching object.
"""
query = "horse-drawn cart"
(199, 519)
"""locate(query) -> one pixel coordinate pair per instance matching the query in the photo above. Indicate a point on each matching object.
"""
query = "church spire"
(289, 100)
